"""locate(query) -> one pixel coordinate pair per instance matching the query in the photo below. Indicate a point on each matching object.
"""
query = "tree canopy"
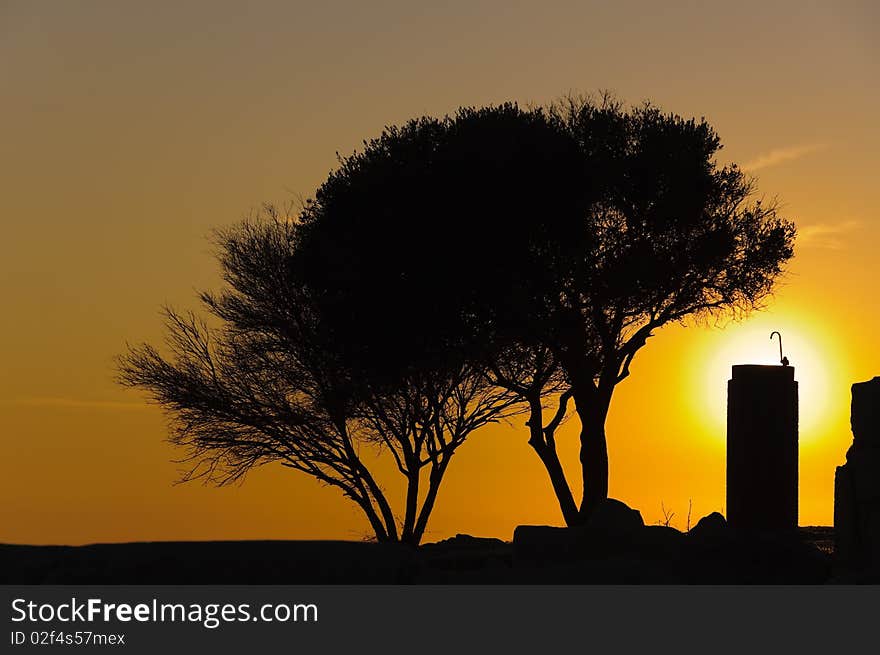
(409, 238)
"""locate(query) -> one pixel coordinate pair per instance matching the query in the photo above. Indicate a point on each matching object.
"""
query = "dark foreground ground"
(709, 554)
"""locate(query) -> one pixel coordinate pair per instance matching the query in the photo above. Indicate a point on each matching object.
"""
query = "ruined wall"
(857, 483)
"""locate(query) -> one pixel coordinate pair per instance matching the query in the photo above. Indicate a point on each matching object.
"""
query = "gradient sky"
(129, 130)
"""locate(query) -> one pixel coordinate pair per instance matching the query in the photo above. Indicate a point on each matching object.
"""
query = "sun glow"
(809, 351)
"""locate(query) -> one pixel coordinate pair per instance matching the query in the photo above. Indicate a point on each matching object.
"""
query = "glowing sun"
(807, 349)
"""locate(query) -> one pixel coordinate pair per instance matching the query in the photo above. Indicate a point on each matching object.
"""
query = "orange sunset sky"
(129, 130)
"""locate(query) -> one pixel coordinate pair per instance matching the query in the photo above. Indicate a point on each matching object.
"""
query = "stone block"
(857, 484)
(865, 413)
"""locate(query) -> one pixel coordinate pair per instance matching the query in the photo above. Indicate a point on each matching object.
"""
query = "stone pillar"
(857, 483)
(762, 448)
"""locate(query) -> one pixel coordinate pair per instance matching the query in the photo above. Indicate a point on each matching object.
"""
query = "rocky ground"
(617, 548)
(614, 548)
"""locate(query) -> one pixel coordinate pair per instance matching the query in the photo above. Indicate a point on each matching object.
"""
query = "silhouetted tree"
(545, 246)
(673, 236)
(272, 382)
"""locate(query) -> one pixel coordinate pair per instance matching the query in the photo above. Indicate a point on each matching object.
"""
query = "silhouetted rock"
(615, 547)
(464, 542)
(712, 526)
(543, 542)
(614, 518)
(857, 484)
(715, 553)
(464, 559)
(865, 413)
(751, 558)
(614, 528)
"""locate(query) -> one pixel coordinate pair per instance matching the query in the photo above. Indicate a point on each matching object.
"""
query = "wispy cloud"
(831, 236)
(782, 155)
(73, 403)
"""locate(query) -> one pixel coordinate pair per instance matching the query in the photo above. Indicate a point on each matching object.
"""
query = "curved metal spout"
(782, 359)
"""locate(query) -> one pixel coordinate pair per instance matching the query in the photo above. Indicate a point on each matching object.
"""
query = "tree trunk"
(412, 502)
(434, 479)
(381, 501)
(564, 497)
(546, 451)
(592, 411)
(378, 529)
(594, 465)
